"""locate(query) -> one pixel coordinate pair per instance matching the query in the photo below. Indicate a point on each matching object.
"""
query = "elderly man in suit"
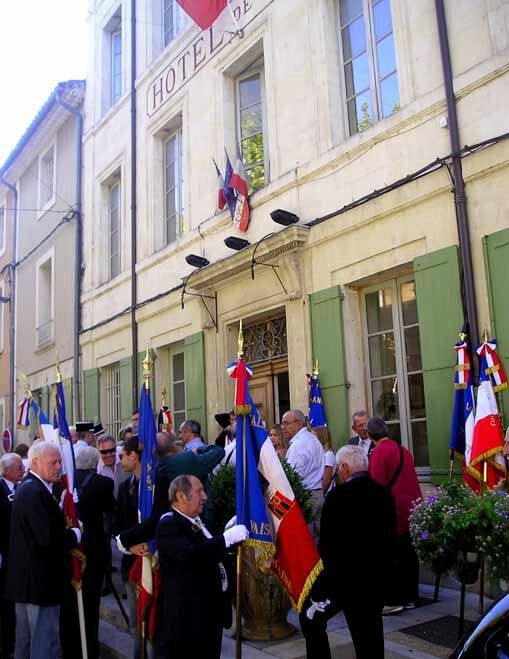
(361, 438)
(11, 472)
(39, 560)
(357, 529)
(194, 582)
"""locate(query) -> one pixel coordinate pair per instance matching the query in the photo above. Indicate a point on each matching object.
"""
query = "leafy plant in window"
(365, 121)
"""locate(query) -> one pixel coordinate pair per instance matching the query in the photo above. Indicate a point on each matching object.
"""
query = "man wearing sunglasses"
(109, 464)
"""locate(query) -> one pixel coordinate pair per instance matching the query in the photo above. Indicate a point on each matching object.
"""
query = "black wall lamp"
(284, 217)
(233, 242)
(197, 261)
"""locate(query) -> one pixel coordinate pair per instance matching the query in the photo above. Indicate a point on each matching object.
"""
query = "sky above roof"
(42, 43)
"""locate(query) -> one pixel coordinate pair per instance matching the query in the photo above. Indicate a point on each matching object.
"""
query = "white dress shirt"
(9, 484)
(305, 454)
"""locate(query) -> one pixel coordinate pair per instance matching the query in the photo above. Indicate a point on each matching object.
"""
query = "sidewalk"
(423, 633)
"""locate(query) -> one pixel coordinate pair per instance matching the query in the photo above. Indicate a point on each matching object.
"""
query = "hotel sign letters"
(200, 50)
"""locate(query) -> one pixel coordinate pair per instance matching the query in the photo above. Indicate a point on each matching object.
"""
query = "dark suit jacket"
(5, 529)
(192, 604)
(354, 441)
(126, 516)
(39, 559)
(357, 531)
(95, 500)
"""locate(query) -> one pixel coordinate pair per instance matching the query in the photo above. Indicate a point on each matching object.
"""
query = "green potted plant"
(265, 604)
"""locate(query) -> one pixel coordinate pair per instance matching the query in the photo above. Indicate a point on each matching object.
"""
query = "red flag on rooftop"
(203, 12)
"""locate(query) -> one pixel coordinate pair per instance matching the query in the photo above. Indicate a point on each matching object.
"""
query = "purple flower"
(424, 535)
(431, 500)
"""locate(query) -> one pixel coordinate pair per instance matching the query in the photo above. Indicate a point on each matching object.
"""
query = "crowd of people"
(360, 499)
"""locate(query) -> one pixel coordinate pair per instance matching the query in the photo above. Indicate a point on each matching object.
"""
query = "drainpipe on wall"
(134, 327)
(78, 254)
(460, 200)
(12, 309)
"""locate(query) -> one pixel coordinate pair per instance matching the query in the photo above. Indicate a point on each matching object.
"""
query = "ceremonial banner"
(64, 442)
(238, 182)
(203, 12)
(488, 437)
(265, 501)
(143, 572)
(229, 193)
(316, 409)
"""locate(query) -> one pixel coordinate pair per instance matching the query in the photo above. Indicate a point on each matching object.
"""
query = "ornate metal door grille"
(266, 340)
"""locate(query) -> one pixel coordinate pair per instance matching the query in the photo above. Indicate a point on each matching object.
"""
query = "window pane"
(390, 95)
(354, 39)
(250, 91)
(171, 150)
(360, 116)
(349, 9)
(256, 177)
(179, 396)
(357, 75)
(382, 359)
(395, 431)
(386, 56)
(171, 230)
(382, 18)
(409, 302)
(420, 443)
(179, 418)
(416, 396)
(385, 398)
(413, 349)
(251, 121)
(252, 150)
(178, 367)
(379, 310)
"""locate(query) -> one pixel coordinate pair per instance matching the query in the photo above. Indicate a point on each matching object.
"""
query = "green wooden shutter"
(496, 252)
(91, 381)
(69, 410)
(328, 343)
(194, 365)
(437, 282)
(126, 390)
(45, 401)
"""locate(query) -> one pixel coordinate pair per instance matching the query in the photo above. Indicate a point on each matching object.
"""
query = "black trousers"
(7, 622)
(364, 621)
(402, 585)
(209, 649)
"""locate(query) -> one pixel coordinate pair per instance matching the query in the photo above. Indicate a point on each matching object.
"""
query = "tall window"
(172, 21)
(116, 66)
(112, 60)
(2, 229)
(114, 228)
(174, 187)
(44, 300)
(178, 388)
(369, 62)
(112, 391)
(47, 178)
(394, 363)
(251, 125)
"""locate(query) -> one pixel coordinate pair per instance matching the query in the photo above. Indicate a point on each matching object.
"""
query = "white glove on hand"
(231, 523)
(75, 496)
(62, 499)
(77, 532)
(237, 533)
(316, 607)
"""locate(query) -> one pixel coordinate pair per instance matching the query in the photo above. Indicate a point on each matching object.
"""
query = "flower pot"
(264, 603)
(468, 567)
(443, 561)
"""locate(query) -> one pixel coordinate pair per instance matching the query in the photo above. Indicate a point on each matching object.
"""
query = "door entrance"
(270, 390)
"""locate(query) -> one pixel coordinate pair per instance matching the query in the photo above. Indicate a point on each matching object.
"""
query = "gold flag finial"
(462, 336)
(24, 381)
(164, 393)
(59, 373)
(316, 369)
(485, 335)
(240, 342)
(147, 368)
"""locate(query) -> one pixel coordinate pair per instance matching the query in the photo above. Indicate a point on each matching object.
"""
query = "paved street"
(405, 634)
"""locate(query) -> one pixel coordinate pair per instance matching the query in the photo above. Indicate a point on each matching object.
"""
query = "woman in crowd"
(323, 434)
(278, 441)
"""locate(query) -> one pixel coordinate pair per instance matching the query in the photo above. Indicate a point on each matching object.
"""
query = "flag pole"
(238, 613)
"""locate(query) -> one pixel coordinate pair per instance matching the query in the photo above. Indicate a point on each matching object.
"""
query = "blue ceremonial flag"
(316, 409)
(229, 193)
(148, 446)
(463, 414)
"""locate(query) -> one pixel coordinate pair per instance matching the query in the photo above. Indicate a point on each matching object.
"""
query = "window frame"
(178, 350)
(177, 23)
(114, 98)
(108, 374)
(114, 185)
(180, 228)
(49, 256)
(373, 69)
(3, 230)
(255, 68)
(405, 418)
(43, 208)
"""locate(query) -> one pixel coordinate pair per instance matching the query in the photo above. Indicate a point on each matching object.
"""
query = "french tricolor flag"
(221, 199)
(238, 182)
(203, 12)
(488, 437)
